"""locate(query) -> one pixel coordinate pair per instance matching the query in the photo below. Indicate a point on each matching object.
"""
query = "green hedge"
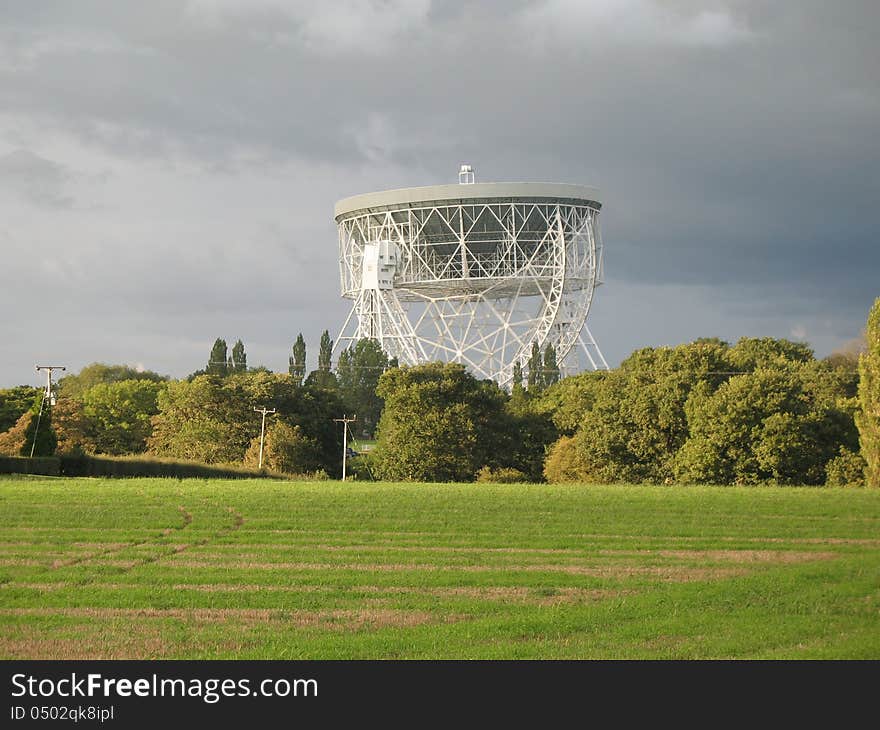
(43, 465)
(109, 466)
(106, 466)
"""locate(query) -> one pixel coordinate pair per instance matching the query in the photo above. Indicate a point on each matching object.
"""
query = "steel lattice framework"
(472, 273)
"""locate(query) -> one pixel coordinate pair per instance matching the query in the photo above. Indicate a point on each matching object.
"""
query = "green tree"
(845, 469)
(551, 367)
(118, 415)
(528, 431)
(563, 463)
(439, 424)
(286, 449)
(325, 352)
(212, 419)
(536, 367)
(239, 358)
(73, 386)
(344, 371)
(207, 419)
(297, 366)
(312, 408)
(637, 421)
(771, 425)
(762, 411)
(751, 353)
(517, 389)
(528, 434)
(868, 415)
(323, 377)
(16, 401)
(358, 371)
(569, 400)
(218, 363)
(72, 427)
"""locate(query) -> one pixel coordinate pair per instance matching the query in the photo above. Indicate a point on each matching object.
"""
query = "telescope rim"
(458, 193)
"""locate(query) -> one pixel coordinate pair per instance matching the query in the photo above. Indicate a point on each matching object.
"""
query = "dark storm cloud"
(734, 142)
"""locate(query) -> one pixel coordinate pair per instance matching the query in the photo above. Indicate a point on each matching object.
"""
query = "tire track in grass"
(188, 518)
(110, 552)
(237, 521)
(118, 548)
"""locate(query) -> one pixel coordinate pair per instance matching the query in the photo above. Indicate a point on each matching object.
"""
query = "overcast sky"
(168, 169)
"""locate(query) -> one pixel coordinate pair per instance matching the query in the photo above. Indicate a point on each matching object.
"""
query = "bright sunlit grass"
(153, 568)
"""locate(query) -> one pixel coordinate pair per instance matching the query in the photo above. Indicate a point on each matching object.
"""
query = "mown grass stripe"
(250, 569)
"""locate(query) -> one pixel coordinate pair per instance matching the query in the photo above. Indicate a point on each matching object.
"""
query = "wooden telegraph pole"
(264, 411)
(344, 421)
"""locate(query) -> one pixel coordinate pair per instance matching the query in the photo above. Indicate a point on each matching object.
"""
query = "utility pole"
(46, 394)
(344, 421)
(49, 369)
(264, 411)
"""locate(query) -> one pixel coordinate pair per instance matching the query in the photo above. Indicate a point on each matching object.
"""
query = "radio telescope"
(472, 273)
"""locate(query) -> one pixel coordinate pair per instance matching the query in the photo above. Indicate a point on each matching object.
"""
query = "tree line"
(758, 411)
(207, 416)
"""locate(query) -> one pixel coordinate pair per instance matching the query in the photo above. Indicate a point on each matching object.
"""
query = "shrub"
(563, 462)
(502, 475)
(847, 469)
(359, 468)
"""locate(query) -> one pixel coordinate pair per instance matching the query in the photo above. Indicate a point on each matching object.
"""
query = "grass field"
(151, 568)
